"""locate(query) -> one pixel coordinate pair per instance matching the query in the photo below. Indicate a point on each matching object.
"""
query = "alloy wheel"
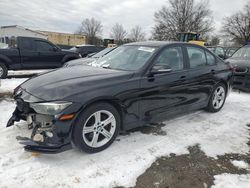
(99, 128)
(218, 97)
(1, 71)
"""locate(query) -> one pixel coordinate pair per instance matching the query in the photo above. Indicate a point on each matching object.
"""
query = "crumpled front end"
(50, 131)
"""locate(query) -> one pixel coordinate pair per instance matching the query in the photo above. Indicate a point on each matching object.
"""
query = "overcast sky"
(66, 15)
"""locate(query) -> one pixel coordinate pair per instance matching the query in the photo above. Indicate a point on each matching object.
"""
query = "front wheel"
(96, 128)
(3, 71)
(217, 98)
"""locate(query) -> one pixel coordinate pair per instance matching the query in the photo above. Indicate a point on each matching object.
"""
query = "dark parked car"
(135, 84)
(90, 59)
(230, 51)
(84, 50)
(33, 53)
(241, 63)
(218, 50)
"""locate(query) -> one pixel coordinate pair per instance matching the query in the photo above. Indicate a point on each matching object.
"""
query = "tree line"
(175, 17)
(92, 28)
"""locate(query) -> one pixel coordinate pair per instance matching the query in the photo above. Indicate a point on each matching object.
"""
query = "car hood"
(239, 62)
(81, 61)
(65, 82)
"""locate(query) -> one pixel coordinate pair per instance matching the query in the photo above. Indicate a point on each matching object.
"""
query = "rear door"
(28, 54)
(201, 77)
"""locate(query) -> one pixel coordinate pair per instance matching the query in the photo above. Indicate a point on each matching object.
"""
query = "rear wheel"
(3, 71)
(217, 98)
(96, 128)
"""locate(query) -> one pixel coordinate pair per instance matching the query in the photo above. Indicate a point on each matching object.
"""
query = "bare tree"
(214, 41)
(92, 28)
(182, 16)
(118, 33)
(237, 26)
(137, 34)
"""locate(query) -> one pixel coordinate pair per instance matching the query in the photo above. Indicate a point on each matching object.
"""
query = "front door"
(166, 93)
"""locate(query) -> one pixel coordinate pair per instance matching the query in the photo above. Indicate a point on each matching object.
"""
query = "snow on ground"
(129, 156)
(8, 85)
(232, 181)
(26, 72)
(240, 164)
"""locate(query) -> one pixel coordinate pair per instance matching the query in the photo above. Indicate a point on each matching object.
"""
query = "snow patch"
(26, 72)
(8, 85)
(231, 181)
(240, 164)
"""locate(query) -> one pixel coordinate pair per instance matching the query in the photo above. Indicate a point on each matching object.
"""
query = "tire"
(3, 71)
(217, 98)
(91, 135)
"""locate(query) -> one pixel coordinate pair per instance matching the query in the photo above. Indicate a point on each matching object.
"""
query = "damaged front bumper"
(45, 148)
(49, 133)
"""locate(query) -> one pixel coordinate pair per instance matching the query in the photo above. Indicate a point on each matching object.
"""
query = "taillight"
(232, 68)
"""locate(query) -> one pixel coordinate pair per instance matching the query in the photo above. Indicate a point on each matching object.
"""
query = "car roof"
(215, 46)
(84, 45)
(153, 43)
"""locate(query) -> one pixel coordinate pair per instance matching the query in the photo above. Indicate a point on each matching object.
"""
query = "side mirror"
(160, 69)
(55, 49)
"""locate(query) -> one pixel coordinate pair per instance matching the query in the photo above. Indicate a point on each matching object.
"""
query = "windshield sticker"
(146, 49)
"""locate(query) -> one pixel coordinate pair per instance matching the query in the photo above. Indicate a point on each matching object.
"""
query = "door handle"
(151, 78)
(183, 78)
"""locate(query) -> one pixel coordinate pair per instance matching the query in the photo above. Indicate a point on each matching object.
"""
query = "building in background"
(9, 33)
(65, 38)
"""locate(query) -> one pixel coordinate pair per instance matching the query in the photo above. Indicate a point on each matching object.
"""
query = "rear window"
(43, 46)
(196, 56)
(210, 59)
(27, 44)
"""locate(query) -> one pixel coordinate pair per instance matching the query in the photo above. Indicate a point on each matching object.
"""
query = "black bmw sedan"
(133, 85)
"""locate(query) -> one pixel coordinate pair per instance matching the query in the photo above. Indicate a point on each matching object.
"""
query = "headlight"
(19, 92)
(50, 108)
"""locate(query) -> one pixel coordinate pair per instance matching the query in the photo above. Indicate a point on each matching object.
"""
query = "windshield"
(242, 53)
(128, 58)
(102, 53)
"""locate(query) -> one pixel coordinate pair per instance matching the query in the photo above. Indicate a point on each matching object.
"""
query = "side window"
(91, 49)
(196, 56)
(43, 46)
(27, 44)
(171, 57)
(210, 59)
(219, 51)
